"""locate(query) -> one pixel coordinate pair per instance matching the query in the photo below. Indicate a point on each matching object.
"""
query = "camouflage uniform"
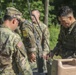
(13, 57)
(25, 30)
(41, 34)
(66, 46)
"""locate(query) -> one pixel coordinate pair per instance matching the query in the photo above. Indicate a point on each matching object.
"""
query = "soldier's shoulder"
(16, 35)
(43, 26)
(6, 30)
(16, 38)
(27, 25)
(11, 34)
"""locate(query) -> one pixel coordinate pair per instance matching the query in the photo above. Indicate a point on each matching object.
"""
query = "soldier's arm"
(28, 37)
(46, 36)
(21, 58)
(30, 40)
(30, 44)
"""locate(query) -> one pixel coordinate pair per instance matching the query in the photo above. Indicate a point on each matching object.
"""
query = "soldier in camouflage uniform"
(25, 30)
(13, 58)
(41, 34)
(66, 46)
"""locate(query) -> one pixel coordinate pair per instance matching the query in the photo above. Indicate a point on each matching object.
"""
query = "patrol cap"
(13, 12)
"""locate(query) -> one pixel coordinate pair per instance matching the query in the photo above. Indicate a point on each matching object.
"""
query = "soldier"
(66, 46)
(25, 30)
(13, 58)
(41, 34)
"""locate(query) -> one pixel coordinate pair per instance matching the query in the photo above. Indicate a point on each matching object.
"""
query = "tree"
(46, 11)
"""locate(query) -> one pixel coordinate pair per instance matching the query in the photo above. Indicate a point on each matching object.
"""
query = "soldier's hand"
(44, 55)
(32, 57)
(50, 55)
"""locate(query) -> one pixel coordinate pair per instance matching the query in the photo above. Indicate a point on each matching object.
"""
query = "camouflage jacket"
(66, 45)
(13, 58)
(42, 35)
(26, 32)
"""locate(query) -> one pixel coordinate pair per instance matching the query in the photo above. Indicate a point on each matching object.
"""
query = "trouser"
(41, 65)
(20, 74)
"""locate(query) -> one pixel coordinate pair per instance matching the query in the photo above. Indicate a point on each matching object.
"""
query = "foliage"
(22, 5)
(54, 31)
(70, 3)
(38, 5)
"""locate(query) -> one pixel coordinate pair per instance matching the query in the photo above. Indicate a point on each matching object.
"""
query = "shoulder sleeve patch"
(20, 44)
(25, 33)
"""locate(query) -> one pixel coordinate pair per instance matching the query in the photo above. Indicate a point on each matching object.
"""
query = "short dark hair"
(64, 11)
(7, 17)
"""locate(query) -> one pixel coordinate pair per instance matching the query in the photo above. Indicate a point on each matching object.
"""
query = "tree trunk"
(46, 11)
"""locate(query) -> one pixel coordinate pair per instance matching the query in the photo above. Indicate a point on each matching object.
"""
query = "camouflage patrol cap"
(13, 12)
